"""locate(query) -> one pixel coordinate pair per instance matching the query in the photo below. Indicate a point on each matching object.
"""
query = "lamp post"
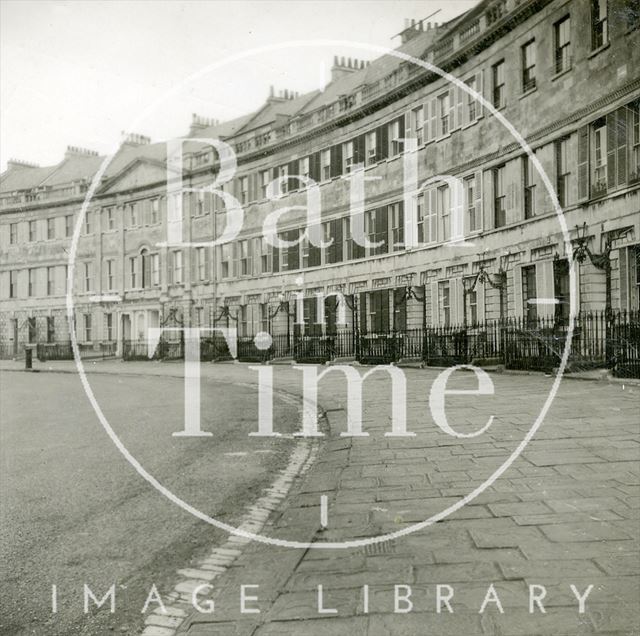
(283, 305)
(174, 317)
(496, 281)
(601, 261)
(225, 312)
(408, 293)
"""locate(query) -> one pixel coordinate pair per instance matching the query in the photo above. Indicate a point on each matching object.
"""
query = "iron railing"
(600, 340)
(64, 351)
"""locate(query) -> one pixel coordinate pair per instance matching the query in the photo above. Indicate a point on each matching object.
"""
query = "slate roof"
(72, 168)
(23, 178)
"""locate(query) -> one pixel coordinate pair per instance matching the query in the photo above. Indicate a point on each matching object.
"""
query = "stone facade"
(563, 74)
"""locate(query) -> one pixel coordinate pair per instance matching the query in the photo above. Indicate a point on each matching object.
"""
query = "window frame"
(51, 280)
(528, 277)
(560, 64)
(201, 263)
(472, 106)
(528, 69)
(110, 262)
(563, 173)
(499, 200)
(325, 164)
(244, 258)
(226, 259)
(634, 142)
(498, 84)
(13, 283)
(87, 327)
(68, 225)
(133, 272)
(371, 148)
(444, 114)
(244, 190)
(109, 326)
(470, 191)
(443, 204)
(177, 267)
(87, 224)
(265, 178)
(444, 308)
(528, 187)
(599, 168)
(417, 124)
(348, 154)
(599, 24)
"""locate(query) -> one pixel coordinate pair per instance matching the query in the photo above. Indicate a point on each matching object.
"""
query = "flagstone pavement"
(563, 513)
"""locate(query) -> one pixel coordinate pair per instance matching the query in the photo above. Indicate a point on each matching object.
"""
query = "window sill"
(471, 123)
(529, 92)
(599, 50)
(561, 74)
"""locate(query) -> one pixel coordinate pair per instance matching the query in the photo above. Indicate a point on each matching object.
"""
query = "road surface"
(74, 511)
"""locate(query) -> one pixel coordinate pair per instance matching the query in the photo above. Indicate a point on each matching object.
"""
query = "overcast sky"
(78, 73)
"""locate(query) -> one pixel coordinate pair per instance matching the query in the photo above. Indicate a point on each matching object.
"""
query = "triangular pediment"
(138, 173)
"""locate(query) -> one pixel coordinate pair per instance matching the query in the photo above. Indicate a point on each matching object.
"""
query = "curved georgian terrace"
(566, 79)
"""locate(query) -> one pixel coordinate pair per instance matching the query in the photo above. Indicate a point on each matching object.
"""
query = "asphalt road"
(73, 510)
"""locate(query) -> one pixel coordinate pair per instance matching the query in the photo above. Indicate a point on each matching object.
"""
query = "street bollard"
(28, 358)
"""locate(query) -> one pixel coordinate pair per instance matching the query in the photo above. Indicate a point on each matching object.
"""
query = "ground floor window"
(242, 320)
(529, 294)
(88, 335)
(635, 262)
(51, 331)
(331, 314)
(444, 303)
(199, 316)
(109, 327)
(629, 261)
(471, 306)
(310, 317)
(561, 290)
(379, 311)
(400, 298)
(31, 329)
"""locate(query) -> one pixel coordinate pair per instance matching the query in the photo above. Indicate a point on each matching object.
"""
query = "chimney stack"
(282, 95)
(18, 164)
(199, 123)
(345, 66)
(412, 28)
(76, 151)
(135, 139)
